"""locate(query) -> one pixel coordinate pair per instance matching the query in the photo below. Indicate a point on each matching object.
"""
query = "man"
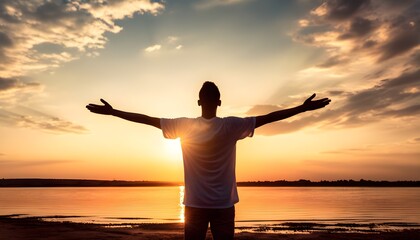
(209, 154)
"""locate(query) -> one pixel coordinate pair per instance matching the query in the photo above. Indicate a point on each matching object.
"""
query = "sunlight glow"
(181, 205)
(173, 148)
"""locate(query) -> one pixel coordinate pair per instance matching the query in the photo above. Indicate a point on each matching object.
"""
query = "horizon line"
(167, 181)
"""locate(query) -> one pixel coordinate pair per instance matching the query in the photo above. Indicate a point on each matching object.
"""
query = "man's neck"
(208, 113)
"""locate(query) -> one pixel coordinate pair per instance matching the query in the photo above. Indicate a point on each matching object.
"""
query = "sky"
(152, 57)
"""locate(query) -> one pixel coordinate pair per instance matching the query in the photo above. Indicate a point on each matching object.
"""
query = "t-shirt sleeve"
(242, 127)
(172, 128)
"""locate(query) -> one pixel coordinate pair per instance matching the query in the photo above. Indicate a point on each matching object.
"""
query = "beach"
(31, 228)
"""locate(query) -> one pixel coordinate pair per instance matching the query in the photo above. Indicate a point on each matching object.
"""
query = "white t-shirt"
(209, 153)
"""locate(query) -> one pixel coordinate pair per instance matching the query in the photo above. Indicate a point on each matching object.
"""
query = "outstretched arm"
(107, 109)
(308, 105)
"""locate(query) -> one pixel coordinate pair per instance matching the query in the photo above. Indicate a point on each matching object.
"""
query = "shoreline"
(45, 182)
(22, 228)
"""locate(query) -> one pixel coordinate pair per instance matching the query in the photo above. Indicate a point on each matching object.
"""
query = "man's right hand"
(101, 109)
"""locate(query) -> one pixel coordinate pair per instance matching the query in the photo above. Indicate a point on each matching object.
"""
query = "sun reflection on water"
(181, 205)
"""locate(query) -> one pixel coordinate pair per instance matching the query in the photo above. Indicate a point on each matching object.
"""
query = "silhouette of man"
(209, 154)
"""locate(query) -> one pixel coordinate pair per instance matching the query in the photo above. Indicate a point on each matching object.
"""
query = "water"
(258, 205)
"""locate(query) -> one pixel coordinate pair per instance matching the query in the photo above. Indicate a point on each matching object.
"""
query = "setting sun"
(173, 148)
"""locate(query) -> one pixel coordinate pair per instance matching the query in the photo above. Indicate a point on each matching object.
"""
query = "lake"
(258, 205)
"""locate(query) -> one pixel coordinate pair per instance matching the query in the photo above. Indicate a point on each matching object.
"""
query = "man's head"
(209, 95)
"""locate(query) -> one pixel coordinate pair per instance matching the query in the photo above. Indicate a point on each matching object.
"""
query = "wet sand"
(35, 228)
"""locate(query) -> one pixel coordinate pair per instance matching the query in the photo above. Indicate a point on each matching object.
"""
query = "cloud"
(362, 29)
(407, 111)
(333, 61)
(5, 40)
(41, 35)
(15, 90)
(170, 43)
(173, 42)
(173, 39)
(339, 10)
(209, 4)
(359, 27)
(369, 65)
(153, 48)
(13, 93)
(390, 98)
(402, 42)
(28, 118)
(13, 83)
(78, 26)
(414, 141)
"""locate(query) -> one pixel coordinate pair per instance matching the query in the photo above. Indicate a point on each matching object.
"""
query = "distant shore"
(31, 228)
(41, 182)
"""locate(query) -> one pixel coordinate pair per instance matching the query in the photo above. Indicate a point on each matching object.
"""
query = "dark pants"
(222, 223)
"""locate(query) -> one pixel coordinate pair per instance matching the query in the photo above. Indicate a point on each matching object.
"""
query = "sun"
(173, 147)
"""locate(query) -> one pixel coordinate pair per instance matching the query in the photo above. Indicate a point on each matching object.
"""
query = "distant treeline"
(337, 183)
(38, 182)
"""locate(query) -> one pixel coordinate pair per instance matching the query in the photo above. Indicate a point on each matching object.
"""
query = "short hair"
(209, 92)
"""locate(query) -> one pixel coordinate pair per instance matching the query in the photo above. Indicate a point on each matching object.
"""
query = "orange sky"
(152, 58)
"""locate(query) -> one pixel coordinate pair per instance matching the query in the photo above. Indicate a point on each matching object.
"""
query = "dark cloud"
(343, 9)
(399, 44)
(14, 83)
(5, 14)
(395, 5)
(407, 111)
(7, 83)
(388, 99)
(370, 28)
(369, 44)
(5, 40)
(76, 25)
(406, 79)
(359, 27)
(376, 74)
(333, 61)
(403, 30)
(415, 59)
(64, 16)
(51, 11)
(336, 93)
(372, 104)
